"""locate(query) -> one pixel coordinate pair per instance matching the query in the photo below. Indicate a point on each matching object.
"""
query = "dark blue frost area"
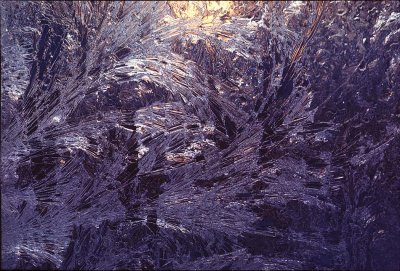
(200, 135)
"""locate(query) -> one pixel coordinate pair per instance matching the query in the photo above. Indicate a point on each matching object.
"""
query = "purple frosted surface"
(161, 135)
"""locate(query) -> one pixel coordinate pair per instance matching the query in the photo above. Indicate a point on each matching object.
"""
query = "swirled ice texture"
(201, 135)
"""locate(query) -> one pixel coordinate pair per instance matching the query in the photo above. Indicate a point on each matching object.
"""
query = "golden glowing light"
(207, 11)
